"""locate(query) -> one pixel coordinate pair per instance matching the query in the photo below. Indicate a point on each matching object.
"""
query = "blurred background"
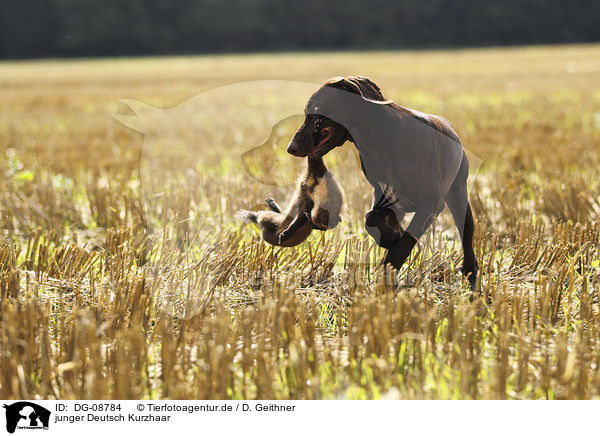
(57, 28)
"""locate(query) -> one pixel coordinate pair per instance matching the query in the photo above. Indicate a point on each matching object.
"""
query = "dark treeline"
(43, 28)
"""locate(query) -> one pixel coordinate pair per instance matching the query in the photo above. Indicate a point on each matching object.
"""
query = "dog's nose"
(293, 148)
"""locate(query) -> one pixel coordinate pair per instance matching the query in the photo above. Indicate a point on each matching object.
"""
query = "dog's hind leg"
(458, 202)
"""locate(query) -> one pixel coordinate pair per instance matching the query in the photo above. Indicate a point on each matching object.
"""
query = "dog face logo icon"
(26, 415)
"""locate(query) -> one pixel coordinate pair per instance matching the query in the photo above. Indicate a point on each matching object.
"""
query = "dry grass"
(106, 295)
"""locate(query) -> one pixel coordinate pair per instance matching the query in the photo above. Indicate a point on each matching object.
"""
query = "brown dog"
(414, 161)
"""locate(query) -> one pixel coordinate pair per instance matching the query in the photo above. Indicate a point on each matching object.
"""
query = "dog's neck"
(316, 166)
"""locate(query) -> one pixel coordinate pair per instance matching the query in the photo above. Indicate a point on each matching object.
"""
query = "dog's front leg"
(377, 224)
(399, 251)
(382, 222)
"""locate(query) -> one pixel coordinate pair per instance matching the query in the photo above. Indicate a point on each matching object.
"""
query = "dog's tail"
(247, 216)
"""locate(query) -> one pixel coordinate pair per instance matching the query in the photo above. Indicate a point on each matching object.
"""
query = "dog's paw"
(394, 259)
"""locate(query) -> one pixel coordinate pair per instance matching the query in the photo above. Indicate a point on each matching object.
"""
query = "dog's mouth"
(325, 133)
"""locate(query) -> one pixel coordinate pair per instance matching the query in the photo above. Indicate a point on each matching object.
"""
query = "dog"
(414, 161)
(315, 204)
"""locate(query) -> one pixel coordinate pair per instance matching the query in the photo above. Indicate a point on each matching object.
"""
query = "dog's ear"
(343, 84)
(368, 88)
(358, 85)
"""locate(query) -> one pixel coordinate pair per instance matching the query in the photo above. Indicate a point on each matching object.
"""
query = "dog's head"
(319, 134)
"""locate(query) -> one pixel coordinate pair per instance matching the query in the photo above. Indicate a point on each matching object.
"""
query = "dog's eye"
(325, 130)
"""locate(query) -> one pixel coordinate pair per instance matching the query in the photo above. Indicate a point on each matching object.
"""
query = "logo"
(26, 415)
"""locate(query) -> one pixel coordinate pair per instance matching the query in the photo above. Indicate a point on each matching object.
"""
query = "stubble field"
(124, 273)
